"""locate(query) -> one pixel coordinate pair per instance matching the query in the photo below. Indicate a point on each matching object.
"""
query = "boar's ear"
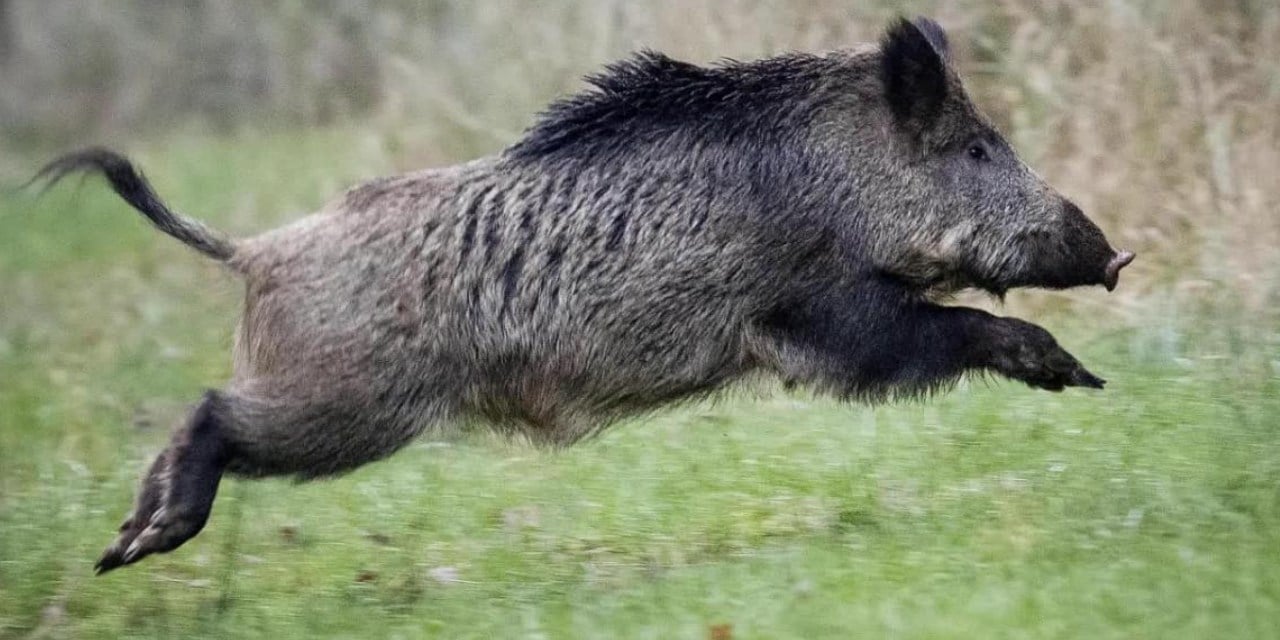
(914, 70)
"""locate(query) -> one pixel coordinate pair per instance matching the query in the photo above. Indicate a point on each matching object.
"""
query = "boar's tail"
(131, 185)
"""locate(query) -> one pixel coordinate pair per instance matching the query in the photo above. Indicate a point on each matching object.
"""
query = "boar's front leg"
(1024, 351)
(883, 343)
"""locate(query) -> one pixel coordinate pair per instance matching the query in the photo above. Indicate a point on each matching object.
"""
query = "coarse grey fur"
(672, 231)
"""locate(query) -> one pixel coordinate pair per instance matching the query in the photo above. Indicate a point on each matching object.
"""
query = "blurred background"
(1154, 506)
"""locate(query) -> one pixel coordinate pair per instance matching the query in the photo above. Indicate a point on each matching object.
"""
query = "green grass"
(1150, 510)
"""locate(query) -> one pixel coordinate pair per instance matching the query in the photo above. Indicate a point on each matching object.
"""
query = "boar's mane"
(652, 97)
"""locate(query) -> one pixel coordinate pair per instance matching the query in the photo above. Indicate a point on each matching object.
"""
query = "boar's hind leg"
(249, 435)
(319, 437)
(177, 493)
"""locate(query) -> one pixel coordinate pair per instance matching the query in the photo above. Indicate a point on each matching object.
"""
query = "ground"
(1149, 510)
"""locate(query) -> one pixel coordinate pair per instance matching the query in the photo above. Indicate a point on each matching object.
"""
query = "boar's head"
(950, 203)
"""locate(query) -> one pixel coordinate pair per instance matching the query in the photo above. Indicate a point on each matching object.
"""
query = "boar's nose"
(1118, 262)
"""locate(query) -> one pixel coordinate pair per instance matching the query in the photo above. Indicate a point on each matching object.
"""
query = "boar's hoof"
(1120, 261)
(1081, 377)
(1030, 354)
(1056, 379)
(177, 493)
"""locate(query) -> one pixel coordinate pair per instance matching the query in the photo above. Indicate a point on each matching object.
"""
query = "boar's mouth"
(1054, 270)
(1072, 254)
(1037, 260)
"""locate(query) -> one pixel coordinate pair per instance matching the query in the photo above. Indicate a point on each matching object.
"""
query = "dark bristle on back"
(652, 93)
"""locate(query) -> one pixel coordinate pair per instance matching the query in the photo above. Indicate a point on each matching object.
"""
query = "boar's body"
(625, 254)
(669, 232)
(538, 301)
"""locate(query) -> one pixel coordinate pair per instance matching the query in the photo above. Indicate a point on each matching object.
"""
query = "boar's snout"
(1080, 255)
(1118, 262)
(1093, 250)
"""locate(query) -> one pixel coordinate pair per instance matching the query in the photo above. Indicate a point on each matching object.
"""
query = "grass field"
(1151, 510)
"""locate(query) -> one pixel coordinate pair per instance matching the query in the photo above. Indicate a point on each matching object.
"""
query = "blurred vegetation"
(1149, 510)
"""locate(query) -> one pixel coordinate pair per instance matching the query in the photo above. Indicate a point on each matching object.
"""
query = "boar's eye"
(978, 152)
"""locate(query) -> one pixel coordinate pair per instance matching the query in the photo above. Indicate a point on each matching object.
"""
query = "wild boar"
(658, 237)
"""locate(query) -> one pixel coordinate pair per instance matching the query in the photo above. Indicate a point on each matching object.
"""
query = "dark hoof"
(1082, 378)
(177, 494)
(160, 533)
(1033, 356)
